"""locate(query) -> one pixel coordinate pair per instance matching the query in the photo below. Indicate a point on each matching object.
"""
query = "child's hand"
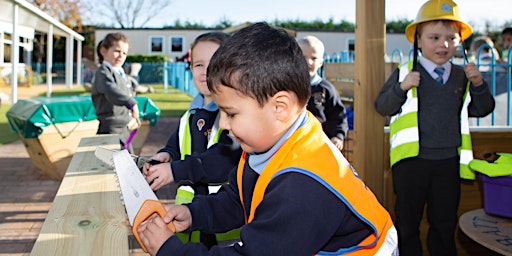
(162, 157)
(337, 142)
(153, 233)
(135, 112)
(180, 216)
(473, 74)
(410, 80)
(159, 175)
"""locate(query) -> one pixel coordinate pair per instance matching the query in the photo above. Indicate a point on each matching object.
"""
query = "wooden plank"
(368, 79)
(87, 216)
(348, 147)
(341, 75)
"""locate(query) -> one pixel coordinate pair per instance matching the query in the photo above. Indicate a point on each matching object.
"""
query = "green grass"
(171, 104)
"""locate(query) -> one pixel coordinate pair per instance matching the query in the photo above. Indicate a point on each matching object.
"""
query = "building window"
(177, 44)
(156, 44)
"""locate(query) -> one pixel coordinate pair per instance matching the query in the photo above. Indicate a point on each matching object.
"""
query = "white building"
(175, 42)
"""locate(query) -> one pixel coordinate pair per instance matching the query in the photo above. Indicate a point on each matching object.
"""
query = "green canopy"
(29, 117)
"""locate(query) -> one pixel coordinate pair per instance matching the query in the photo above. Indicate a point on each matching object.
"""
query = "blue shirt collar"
(315, 80)
(258, 161)
(197, 103)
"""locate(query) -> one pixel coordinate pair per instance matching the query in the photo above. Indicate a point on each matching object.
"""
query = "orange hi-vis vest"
(334, 172)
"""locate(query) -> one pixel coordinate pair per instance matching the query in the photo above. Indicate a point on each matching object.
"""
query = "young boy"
(294, 193)
(506, 38)
(325, 102)
(429, 126)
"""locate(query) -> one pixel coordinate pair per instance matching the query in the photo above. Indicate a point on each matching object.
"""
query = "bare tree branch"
(129, 13)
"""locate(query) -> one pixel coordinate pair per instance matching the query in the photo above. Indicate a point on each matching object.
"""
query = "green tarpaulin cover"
(29, 117)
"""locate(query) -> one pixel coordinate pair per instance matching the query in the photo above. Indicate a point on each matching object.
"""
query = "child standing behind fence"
(429, 106)
(325, 102)
(111, 96)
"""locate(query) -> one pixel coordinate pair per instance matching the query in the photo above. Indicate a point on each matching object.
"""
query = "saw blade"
(105, 156)
(134, 188)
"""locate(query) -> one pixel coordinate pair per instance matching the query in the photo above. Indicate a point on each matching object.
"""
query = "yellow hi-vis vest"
(185, 194)
(404, 133)
(334, 172)
(186, 140)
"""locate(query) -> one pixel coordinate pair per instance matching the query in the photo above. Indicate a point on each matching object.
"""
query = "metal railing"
(497, 74)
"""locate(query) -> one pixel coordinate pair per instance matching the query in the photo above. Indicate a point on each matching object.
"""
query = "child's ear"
(103, 51)
(283, 105)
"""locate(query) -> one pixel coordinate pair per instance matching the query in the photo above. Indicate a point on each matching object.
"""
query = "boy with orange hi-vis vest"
(293, 192)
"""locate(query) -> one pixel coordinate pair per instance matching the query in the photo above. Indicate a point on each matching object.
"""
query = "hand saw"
(139, 200)
(105, 155)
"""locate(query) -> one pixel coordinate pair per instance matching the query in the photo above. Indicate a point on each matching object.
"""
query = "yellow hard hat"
(438, 10)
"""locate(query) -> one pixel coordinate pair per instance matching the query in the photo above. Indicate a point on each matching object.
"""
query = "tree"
(397, 26)
(125, 13)
(68, 12)
(65, 11)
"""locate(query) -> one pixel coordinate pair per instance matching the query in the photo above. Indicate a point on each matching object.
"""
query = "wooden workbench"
(87, 216)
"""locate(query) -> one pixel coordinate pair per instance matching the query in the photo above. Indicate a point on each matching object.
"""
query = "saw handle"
(147, 209)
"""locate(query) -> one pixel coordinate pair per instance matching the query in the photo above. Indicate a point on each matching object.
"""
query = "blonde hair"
(479, 41)
(313, 42)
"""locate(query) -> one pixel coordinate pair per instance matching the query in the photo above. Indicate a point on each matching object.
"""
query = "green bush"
(149, 58)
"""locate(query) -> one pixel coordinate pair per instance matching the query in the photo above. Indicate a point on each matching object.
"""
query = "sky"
(211, 12)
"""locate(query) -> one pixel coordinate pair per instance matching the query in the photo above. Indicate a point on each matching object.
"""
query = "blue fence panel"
(58, 72)
(179, 76)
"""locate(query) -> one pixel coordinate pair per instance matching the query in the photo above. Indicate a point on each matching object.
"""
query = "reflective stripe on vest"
(404, 132)
(184, 196)
(336, 175)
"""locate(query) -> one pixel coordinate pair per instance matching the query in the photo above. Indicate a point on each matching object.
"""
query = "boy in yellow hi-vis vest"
(198, 153)
(429, 133)
(294, 193)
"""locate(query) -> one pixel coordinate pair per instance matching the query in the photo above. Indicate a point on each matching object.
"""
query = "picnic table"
(51, 128)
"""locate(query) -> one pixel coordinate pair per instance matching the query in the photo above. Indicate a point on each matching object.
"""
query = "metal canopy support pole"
(49, 60)
(14, 54)
(69, 61)
(368, 80)
(78, 62)
(2, 42)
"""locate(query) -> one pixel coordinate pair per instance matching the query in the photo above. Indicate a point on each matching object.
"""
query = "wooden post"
(368, 80)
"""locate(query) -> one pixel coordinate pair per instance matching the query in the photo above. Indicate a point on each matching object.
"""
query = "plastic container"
(497, 192)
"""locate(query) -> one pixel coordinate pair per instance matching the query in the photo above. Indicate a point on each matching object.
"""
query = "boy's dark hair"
(260, 61)
(110, 39)
(215, 37)
(507, 30)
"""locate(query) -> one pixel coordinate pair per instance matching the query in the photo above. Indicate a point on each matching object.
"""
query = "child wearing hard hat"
(429, 100)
